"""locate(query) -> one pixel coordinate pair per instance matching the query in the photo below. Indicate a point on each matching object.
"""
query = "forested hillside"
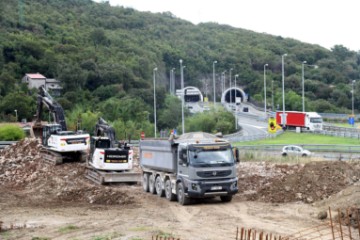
(104, 57)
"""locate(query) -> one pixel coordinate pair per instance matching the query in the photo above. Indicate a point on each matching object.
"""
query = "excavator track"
(51, 157)
(101, 177)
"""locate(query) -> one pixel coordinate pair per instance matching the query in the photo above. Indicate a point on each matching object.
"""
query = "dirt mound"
(22, 169)
(307, 183)
(25, 176)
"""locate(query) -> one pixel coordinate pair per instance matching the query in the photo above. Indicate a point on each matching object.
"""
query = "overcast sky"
(323, 22)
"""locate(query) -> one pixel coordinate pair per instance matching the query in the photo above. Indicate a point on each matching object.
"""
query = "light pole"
(16, 115)
(154, 72)
(352, 97)
(214, 62)
(303, 82)
(265, 87)
(170, 82)
(235, 103)
(283, 89)
(173, 81)
(223, 83)
(272, 95)
(183, 95)
(230, 87)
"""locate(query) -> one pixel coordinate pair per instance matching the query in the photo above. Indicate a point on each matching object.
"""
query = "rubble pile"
(22, 168)
(307, 183)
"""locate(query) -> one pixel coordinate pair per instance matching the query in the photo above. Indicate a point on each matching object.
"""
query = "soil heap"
(25, 177)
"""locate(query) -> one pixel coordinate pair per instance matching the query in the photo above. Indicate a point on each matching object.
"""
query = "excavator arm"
(54, 107)
(103, 129)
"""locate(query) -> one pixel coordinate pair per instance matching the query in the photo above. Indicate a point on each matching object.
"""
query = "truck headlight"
(233, 186)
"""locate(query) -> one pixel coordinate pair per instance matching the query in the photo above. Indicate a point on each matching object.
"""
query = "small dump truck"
(195, 165)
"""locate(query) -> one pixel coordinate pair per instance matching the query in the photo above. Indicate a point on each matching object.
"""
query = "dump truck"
(194, 165)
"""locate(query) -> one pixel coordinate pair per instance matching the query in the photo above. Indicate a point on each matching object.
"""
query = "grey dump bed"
(158, 155)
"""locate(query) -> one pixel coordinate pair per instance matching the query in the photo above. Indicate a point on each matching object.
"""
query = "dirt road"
(149, 216)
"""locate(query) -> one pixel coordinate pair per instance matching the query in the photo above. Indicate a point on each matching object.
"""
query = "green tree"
(11, 133)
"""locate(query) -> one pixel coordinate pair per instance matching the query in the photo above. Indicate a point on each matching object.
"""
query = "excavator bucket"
(36, 130)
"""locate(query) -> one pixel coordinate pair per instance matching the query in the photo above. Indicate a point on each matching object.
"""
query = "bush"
(11, 133)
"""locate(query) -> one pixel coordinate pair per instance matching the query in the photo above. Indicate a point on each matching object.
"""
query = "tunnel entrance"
(233, 94)
(191, 94)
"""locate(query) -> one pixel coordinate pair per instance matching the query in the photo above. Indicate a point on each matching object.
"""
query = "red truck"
(311, 121)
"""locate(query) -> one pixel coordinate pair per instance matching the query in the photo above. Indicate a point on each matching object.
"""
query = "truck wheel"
(182, 199)
(226, 198)
(145, 182)
(158, 187)
(152, 184)
(168, 193)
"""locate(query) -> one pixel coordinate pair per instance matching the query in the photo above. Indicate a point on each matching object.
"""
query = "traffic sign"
(272, 125)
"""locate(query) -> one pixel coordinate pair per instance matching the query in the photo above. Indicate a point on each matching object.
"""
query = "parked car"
(293, 150)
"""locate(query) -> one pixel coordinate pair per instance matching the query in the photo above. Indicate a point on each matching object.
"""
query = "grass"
(68, 228)
(302, 138)
(109, 236)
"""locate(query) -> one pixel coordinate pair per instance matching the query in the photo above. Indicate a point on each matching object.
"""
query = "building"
(36, 80)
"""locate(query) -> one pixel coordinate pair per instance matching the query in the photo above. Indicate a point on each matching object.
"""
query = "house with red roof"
(36, 80)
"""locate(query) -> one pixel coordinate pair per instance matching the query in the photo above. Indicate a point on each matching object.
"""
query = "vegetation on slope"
(104, 57)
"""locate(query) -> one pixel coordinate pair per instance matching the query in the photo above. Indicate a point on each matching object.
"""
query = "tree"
(170, 115)
(24, 104)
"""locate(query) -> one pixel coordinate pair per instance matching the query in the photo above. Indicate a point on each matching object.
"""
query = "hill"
(104, 54)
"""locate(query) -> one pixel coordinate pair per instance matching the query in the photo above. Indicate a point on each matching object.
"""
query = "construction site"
(316, 200)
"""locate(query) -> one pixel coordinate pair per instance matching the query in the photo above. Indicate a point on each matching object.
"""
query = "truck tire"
(226, 198)
(145, 182)
(152, 184)
(158, 186)
(182, 199)
(168, 193)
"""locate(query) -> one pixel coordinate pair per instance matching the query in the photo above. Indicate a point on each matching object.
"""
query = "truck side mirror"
(236, 154)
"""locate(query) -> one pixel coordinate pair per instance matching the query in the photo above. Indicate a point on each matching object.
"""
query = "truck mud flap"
(102, 177)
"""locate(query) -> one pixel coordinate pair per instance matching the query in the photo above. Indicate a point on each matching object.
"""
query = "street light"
(235, 103)
(265, 87)
(272, 95)
(183, 95)
(223, 82)
(173, 79)
(16, 115)
(154, 72)
(352, 97)
(283, 90)
(230, 87)
(214, 62)
(303, 82)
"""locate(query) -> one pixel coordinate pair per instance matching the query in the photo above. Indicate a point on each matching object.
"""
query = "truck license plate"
(216, 188)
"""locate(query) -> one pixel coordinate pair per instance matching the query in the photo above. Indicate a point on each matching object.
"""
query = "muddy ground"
(40, 201)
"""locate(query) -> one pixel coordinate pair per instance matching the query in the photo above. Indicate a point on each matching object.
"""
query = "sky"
(323, 22)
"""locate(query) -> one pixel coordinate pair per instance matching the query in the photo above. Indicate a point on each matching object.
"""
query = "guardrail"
(310, 147)
(4, 144)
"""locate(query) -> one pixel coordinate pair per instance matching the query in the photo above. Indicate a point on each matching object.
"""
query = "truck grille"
(211, 174)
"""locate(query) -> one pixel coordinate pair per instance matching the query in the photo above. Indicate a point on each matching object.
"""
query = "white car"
(293, 150)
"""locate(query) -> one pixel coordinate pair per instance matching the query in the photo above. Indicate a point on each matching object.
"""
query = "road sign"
(272, 125)
(351, 120)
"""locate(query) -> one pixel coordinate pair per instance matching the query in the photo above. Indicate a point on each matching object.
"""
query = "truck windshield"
(316, 120)
(200, 157)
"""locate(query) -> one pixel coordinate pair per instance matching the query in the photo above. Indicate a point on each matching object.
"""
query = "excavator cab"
(49, 130)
